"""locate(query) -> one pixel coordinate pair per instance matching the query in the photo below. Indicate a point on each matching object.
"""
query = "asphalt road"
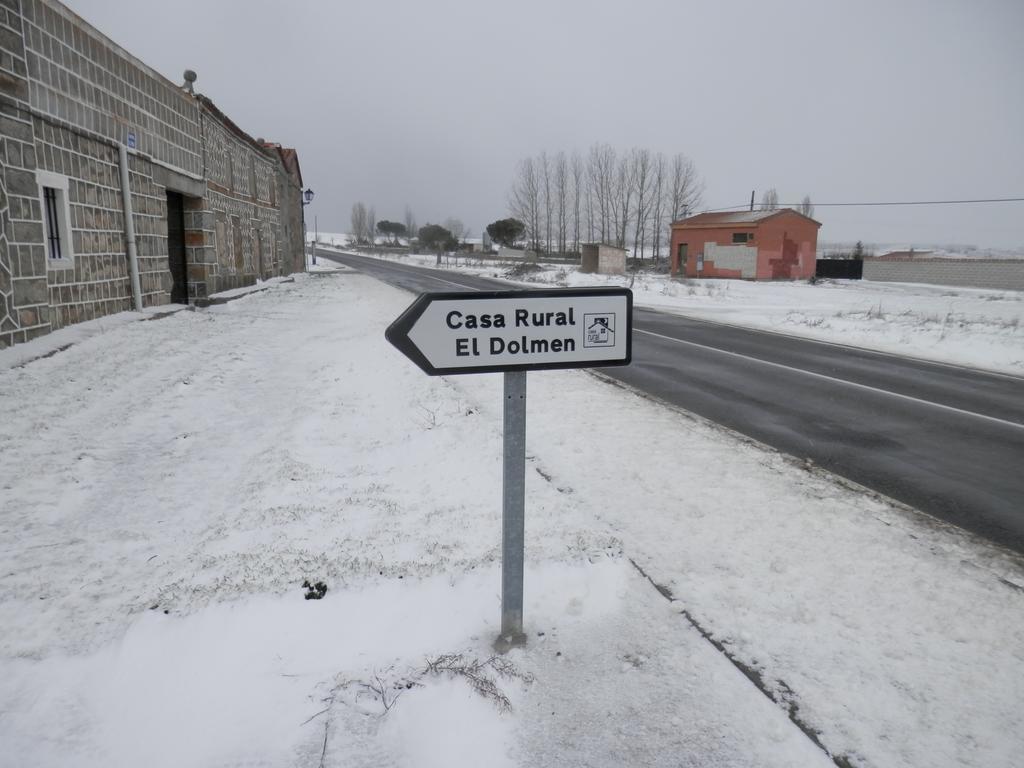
(944, 439)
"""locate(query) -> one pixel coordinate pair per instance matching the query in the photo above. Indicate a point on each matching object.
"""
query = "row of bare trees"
(770, 202)
(364, 225)
(627, 199)
(363, 222)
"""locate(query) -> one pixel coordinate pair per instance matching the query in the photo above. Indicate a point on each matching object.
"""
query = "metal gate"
(840, 269)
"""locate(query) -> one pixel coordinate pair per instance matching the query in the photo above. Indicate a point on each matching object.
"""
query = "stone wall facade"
(69, 99)
(998, 274)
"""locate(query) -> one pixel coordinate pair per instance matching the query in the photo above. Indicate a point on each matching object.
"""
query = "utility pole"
(752, 199)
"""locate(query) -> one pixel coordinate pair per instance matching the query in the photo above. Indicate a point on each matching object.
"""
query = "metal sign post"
(513, 509)
(514, 332)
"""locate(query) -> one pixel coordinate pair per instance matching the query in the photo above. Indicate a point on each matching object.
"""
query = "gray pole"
(129, 227)
(512, 512)
(316, 235)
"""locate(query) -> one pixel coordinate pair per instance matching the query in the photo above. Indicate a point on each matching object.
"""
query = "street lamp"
(307, 198)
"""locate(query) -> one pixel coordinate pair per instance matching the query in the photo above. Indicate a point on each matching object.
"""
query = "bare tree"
(561, 199)
(685, 188)
(625, 188)
(371, 225)
(544, 165)
(578, 181)
(410, 222)
(592, 226)
(358, 222)
(657, 203)
(806, 207)
(525, 201)
(601, 163)
(642, 179)
(770, 200)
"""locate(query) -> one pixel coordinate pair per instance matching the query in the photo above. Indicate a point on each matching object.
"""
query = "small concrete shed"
(602, 259)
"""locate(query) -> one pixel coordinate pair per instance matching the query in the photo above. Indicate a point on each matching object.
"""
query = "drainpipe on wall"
(129, 227)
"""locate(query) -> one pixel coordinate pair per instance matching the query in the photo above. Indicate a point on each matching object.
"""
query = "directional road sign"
(482, 332)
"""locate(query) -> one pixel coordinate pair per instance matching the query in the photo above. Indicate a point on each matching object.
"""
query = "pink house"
(750, 245)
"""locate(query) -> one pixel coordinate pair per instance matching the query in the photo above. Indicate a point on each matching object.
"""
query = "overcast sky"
(432, 103)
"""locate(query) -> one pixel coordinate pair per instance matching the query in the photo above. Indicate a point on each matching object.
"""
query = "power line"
(746, 206)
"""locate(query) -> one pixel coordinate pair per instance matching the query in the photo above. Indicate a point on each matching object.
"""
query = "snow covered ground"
(166, 488)
(962, 326)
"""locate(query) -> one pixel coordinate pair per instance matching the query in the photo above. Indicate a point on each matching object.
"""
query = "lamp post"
(307, 198)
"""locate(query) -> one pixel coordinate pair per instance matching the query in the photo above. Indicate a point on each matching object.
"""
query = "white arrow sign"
(446, 333)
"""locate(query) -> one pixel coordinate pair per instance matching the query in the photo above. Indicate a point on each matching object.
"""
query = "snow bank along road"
(946, 440)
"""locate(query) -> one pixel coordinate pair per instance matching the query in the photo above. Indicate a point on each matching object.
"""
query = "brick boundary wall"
(998, 274)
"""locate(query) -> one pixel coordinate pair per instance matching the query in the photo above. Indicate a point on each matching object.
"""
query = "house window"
(53, 203)
(52, 225)
(742, 237)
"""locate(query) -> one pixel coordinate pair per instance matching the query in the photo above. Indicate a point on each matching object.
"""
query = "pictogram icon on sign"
(600, 330)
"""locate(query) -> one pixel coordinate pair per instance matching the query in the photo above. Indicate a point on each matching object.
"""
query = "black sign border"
(398, 332)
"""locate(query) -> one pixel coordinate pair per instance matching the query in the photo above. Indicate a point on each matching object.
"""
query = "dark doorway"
(176, 248)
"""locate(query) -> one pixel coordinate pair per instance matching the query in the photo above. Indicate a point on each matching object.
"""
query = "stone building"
(209, 207)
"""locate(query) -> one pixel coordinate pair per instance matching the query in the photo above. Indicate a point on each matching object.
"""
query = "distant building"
(209, 207)
(602, 259)
(514, 254)
(750, 245)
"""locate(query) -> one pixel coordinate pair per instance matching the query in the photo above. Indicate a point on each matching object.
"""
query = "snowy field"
(962, 326)
(166, 487)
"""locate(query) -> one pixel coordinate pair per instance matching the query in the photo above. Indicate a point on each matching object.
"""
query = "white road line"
(854, 384)
(415, 270)
(811, 340)
(448, 282)
(422, 272)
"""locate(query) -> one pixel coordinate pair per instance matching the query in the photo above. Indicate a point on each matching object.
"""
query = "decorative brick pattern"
(79, 77)
(149, 212)
(242, 184)
(68, 98)
(7, 323)
(97, 285)
(24, 310)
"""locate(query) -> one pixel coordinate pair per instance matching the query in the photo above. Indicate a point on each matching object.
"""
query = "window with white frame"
(53, 200)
